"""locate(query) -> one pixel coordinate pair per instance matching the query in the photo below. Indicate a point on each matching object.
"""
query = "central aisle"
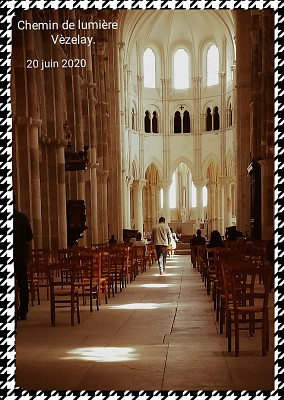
(158, 334)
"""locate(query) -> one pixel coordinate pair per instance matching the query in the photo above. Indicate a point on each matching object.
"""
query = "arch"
(203, 51)
(186, 122)
(156, 163)
(212, 65)
(216, 119)
(208, 119)
(149, 68)
(133, 116)
(135, 169)
(230, 164)
(211, 168)
(147, 121)
(155, 122)
(181, 62)
(177, 122)
(152, 174)
(180, 160)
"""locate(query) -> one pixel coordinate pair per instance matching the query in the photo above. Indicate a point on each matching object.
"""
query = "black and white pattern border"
(7, 299)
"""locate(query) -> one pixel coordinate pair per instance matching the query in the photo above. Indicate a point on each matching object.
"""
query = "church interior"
(123, 116)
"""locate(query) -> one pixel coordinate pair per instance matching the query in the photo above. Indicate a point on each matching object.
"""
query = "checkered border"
(7, 339)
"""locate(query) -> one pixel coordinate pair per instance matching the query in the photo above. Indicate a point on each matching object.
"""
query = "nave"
(159, 333)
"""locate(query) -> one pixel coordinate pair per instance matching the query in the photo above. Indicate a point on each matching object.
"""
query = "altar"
(184, 228)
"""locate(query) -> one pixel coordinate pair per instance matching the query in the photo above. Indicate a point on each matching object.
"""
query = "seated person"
(197, 240)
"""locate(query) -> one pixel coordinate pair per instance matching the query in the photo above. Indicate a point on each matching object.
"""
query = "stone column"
(220, 205)
(166, 197)
(153, 208)
(138, 205)
(35, 180)
(33, 123)
(129, 182)
(227, 186)
(199, 183)
(265, 234)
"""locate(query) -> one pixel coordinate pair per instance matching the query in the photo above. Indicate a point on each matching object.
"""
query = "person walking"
(161, 240)
(22, 234)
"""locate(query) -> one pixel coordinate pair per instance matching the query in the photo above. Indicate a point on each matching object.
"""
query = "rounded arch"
(158, 58)
(204, 47)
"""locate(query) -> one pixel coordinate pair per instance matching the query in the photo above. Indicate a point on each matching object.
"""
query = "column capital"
(18, 119)
(200, 182)
(139, 184)
(166, 183)
(226, 180)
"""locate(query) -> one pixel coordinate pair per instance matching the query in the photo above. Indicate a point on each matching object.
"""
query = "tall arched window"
(181, 69)
(149, 66)
(230, 115)
(216, 119)
(212, 64)
(147, 122)
(133, 125)
(208, 119)
(186, 122)
(155, 122)
(177, 122)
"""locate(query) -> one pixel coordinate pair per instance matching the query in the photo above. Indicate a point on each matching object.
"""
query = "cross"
(181, 107)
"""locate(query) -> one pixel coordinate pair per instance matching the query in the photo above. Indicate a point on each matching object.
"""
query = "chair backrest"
(138, 252)
(242, 285)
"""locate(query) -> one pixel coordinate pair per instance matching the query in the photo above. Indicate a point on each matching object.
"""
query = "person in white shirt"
(160, 238)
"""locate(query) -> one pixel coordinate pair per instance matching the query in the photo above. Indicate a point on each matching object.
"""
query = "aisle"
(158, 334)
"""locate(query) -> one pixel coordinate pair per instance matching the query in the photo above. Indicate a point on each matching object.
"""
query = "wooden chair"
(244, 303)
(85, 280)
(138, 259)
(33, 283)
(117, 267)
(211, 275)
(106, 270)
(150, 254)
(63, 293)
(39, 258)
(97, 273)
(223, 255)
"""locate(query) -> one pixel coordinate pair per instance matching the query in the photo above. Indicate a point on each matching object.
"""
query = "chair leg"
(237, 337)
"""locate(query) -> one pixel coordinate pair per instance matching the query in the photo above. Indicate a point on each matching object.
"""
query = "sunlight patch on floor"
(102, 354)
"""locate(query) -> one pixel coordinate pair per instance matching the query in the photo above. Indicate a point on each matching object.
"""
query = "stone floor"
(160, 333)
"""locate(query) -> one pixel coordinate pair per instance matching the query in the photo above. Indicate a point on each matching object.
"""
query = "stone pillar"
(166, 197)
(33, 123)
(265, 231)
(129, 181)
(153, 203)
(138, 204)
(104, 226)
(35, 181)
(199, 183)
(220, 205)
(227, 186)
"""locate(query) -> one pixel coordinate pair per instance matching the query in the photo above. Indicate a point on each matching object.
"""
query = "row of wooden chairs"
(240, 299)
(71, 274)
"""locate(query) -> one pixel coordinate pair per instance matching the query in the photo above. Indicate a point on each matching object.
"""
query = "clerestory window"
(212, 64)
(181, 69)
(149, 65)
